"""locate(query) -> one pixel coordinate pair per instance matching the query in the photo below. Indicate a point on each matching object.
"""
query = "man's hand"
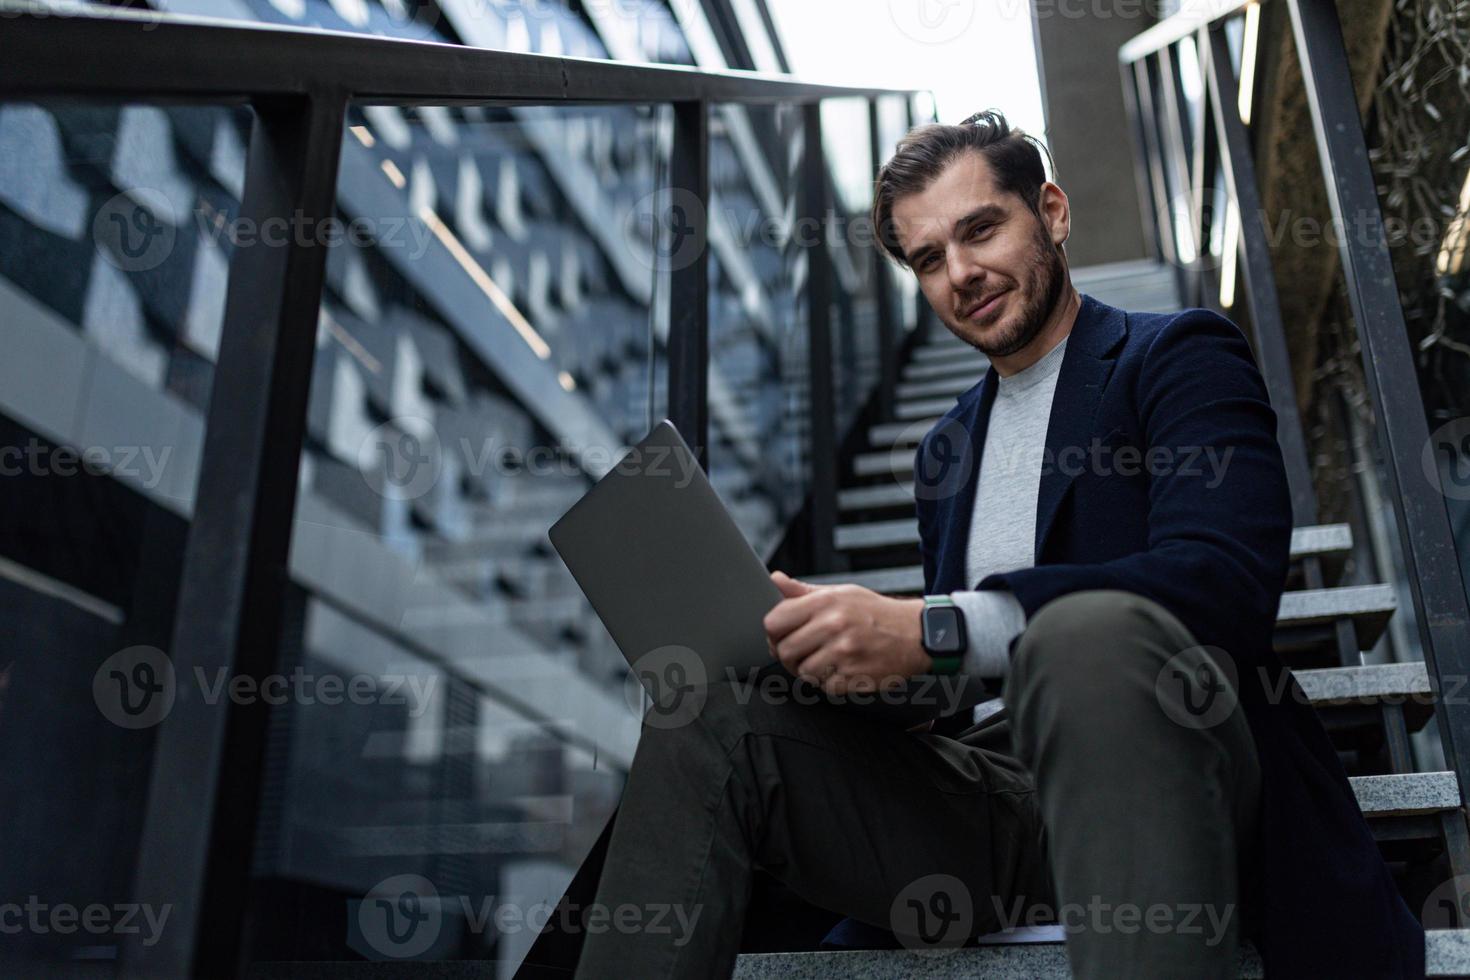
(845, 638)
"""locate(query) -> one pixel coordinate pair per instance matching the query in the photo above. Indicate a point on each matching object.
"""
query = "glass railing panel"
(758, 372)
(117, 228)
(487, 349)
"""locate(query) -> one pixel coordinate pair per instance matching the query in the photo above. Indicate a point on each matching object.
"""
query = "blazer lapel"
(1087, 365)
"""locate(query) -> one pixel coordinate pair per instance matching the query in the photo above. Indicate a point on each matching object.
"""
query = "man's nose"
(965, 274)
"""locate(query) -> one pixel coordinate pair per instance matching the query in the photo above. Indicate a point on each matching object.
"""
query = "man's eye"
(980, 230)
(928, 263)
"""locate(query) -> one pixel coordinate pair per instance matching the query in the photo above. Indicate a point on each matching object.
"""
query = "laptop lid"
(664, 564)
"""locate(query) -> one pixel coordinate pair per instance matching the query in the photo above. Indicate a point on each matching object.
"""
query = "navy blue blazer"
(1210, 543)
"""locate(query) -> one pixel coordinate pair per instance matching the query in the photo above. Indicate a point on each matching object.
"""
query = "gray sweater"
(1003, 524)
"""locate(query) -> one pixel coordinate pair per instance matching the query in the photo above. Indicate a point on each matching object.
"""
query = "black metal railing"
(1181, 168)
(199, 820)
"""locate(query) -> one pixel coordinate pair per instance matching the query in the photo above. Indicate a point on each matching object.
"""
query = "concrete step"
(1350, 700)
(1304, 619)
(893, 434)
(952, 385)
(1447, 954)
(1330, 544)
(922, 408)
(874, 498)
(942, 351)
(1406, 794)
(878, 534)
(973, 367)
(884, 462)
(1368, 684)
(1320, 540)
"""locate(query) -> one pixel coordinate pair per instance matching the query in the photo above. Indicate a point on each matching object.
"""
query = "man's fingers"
(802, 642)
(824, 668)
(790, 587)
(818, 668)
(789, 614)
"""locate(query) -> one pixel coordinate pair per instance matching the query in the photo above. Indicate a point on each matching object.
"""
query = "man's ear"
(1056, 212)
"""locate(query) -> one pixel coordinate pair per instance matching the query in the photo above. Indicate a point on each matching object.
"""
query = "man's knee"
(1079, 624)
(1095, 644)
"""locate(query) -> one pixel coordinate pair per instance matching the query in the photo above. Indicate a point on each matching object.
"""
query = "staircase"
(1369, 710)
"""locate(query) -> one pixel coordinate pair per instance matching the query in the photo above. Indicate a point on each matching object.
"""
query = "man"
(1106, 513)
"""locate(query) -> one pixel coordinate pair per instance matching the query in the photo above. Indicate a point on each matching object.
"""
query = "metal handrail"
(131, 55)
(200, 815)
(1172, 30)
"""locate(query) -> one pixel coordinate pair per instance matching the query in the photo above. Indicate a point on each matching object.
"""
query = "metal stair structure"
(1369, 710)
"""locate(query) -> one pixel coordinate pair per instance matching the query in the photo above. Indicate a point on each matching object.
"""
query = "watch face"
(942, 633)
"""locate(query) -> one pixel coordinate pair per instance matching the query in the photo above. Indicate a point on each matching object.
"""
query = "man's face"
(991, 268)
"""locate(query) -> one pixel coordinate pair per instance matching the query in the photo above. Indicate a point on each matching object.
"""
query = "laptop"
(682, 592)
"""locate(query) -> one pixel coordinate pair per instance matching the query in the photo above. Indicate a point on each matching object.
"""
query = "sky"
(972, 54)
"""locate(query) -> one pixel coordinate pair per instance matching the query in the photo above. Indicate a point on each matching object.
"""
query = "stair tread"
(920, 408)
(883, 461)
(883, 495)
(1363, 684)
(973, 367)
(1398, 794)
(1447, 954)
(928, 353)
(934, 387)
(901, 433)
(1368, 606)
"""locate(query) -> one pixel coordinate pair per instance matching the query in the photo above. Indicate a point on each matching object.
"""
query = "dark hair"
(1015, 157)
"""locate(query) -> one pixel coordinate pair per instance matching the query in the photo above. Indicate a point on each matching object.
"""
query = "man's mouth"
(983, 308)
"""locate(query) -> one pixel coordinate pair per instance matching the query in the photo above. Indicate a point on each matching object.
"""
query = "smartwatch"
(944, 633)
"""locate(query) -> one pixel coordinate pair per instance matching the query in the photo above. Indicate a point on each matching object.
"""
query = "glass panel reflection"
(486, 350)
(113, 266)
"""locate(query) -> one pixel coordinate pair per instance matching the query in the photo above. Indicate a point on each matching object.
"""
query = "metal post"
(687, 209)
(200, 819)
(1163, 209)
(883, 289)
(1433, 568)
(1175, 155)
(925, 322)
(1142, 174)
(1205, 165)
(822, 408)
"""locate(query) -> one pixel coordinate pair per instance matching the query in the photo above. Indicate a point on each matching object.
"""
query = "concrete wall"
(1087, 128)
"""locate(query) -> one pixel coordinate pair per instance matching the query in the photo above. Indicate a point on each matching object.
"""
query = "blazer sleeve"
(924, 511)
(1217, 553)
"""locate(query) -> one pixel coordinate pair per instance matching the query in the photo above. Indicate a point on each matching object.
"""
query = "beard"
(1039, 294)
